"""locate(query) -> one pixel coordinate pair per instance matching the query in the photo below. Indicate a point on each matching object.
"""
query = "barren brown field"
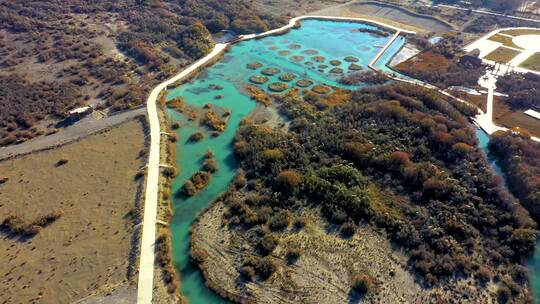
(502, 54)
(89, 251)
(506, 117)
(478, 100)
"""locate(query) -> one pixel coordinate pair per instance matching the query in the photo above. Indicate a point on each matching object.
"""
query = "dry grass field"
(478, 100)
(532, 63)
(88, 251)
(505, 40)
(504, 116)
(502, 54)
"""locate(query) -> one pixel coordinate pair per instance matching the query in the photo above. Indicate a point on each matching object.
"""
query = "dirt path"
(79, 130)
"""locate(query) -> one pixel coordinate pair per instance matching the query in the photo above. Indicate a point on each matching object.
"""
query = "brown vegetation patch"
(519, 32)
(197, 136)
(505, 40)
(284, 53)
(310, 52)
(270, 71)
(212, 121)
(441, 65)
(91, 248)
(321, 89)
(16, 226)
(336, 71)
(297, 58)
(294, 46)
(278, 87)
(196, 183)
(502, 54)
(254, 65)
(532, 63)
(505, 116)
(479, 101)
(177, 103)
(258, 95)
(304, 83)
(351, 59)
(258, 79)
(335, 62)
(287, 77)
(318, 58)
(355, 67)
(164, 260)
(369, 77)
(427, 61)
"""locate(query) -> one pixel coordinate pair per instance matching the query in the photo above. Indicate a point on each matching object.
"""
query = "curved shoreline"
(147, 257)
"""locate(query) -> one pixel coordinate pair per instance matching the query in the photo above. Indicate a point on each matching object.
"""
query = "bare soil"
(324, 271)
(89, 251)
(396, 16)
(504, 116)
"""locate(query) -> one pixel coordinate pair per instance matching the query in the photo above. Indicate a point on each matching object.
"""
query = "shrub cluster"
(15, 225)
(453, 216)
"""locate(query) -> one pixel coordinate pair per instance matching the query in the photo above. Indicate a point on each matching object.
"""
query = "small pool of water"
(294, 53)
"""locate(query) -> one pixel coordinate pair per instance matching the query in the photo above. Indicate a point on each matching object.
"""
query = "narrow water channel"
(534, 263)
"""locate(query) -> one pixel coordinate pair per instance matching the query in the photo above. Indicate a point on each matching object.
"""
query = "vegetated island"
(383, 196)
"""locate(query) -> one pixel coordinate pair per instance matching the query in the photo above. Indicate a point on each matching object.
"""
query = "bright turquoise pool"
(331, 40)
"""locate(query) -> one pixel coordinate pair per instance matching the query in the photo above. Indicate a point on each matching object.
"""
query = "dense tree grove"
(519, 157)
(452, 215)
(523, 90)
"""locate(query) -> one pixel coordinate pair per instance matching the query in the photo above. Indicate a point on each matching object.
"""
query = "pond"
(318, 51)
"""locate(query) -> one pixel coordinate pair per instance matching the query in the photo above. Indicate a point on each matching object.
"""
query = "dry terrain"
(323, 272)
(294, 8)
(88, 251)
(392, 15)
(504, 116)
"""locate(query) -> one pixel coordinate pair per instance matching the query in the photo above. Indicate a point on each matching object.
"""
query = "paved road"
(146, 266)
(79, 130)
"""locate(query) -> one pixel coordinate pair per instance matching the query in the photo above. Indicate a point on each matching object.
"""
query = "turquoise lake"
(293, 53)
(331, 40)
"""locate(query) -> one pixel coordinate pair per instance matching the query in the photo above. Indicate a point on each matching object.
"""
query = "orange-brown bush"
(14, 224)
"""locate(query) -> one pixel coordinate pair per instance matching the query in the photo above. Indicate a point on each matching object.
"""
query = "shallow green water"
(332, 40)
(534, 263)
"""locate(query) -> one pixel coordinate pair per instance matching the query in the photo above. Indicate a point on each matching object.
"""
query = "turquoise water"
(332, 40)
(483, 139)
(534, 263)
